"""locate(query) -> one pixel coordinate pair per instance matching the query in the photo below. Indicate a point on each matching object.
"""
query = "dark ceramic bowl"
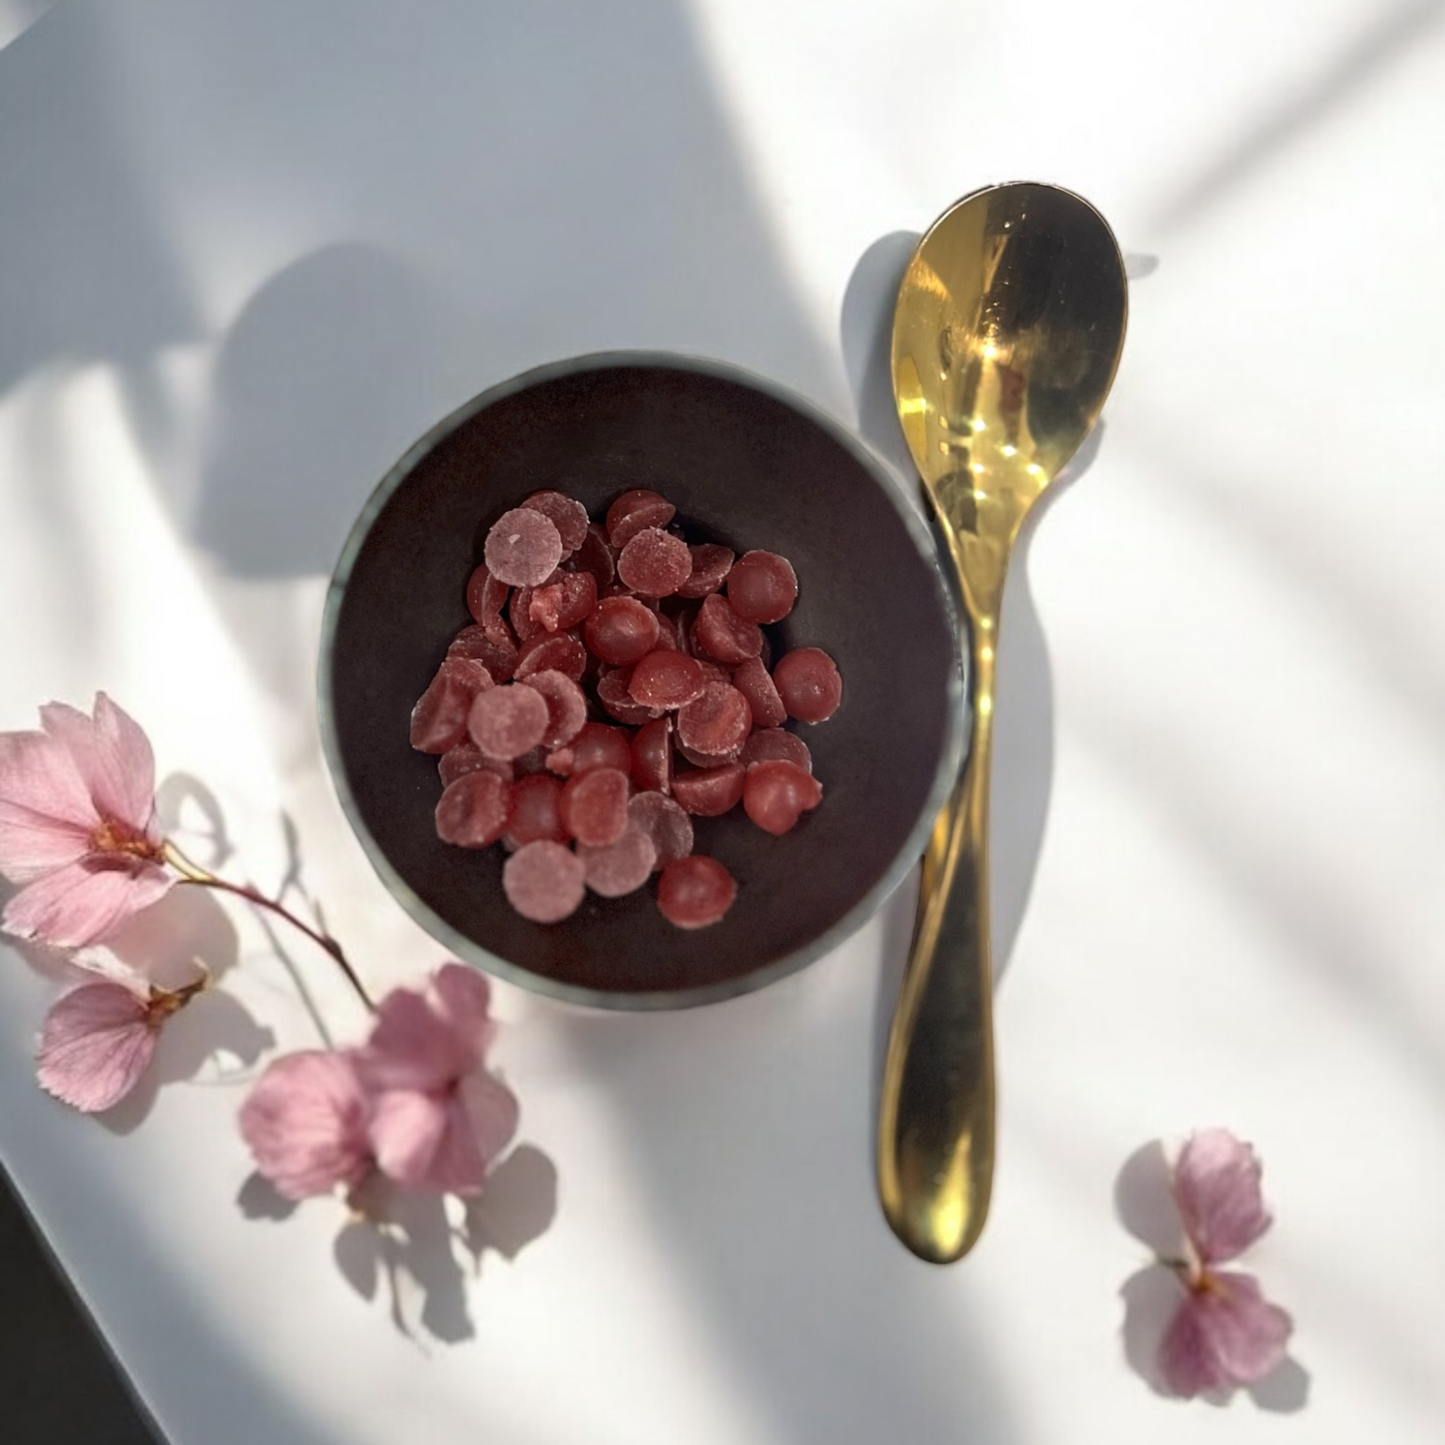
(747, 465)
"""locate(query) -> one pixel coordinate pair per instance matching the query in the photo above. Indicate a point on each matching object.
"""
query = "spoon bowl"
(1007, 334)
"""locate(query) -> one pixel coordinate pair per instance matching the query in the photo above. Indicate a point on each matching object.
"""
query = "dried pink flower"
(439, 1118)
(98, 1040)
(1224, 1333)
(77, 829)
(306, 1123)
(1217, 1188)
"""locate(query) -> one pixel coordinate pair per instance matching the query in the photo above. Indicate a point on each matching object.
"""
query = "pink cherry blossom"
(1224, 1333)
(77, 825)
(98, 1040)
(1217, 1189)
(439, 1118)
(306, 1123)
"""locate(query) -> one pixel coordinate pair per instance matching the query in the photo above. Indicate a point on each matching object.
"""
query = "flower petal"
(407, 1127)
(46, 814)
(1225, 1333)
(1216, 1185)
(32, 844)
(112, 755)
(84, 902)
(479, 1120)
(464, 998)
(95, 1045)
(306, 1123)
(412, 1046)
(459, 1166)
(492, 1112)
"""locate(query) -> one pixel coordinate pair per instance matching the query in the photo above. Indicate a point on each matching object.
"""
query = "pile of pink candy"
(627, 620)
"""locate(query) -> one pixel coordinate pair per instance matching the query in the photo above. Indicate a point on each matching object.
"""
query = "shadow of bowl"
(747, 465)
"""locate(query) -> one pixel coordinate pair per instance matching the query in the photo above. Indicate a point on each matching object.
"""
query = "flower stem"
(193, 873)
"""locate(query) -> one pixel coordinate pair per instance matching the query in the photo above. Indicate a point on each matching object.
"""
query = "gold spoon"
(1007, 333)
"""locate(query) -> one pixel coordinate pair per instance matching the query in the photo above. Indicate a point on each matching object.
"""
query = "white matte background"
(249, 252)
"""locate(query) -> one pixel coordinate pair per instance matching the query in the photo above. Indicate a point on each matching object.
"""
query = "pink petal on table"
(84, 902)
(1216, 1186)
(448, 1143)
(491, 1111)
(407, 1130)
(95, 1045)
(46, 815)
(429, 1040)
(112, 756)
(411, 1046)
(306, 1123)
(464, 998)
(459, 1165)
(437, 1119)
(1225, 1333)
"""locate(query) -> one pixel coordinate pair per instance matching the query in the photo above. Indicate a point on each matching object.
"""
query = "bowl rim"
(950, 755)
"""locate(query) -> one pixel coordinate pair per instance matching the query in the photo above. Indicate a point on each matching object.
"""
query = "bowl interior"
(745, 467)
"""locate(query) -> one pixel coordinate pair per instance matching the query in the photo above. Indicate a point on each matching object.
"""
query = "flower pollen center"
(162, 1003)
(114, 837)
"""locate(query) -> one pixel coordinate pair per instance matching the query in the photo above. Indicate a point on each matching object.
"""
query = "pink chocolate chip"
(808, 683)
(777, 794)
(620, 867)
(568, 516)
(717, 722)
(567, 602)
(752, 680)
(544, 881)
(435, 725)
(466, 758)
(654, 563)
(695, 891)
(652, 755)
(489, 643)
(633, 511)
(594, 806)
(508, 721)
(485, 595)
(762, 587)
(711, 792)
(665, 821)
(473, 812)
(777, 744)
(710, 566)
(613, 692)
(523, 548)
(552, 652)
(535, 810)
(725, 636)
(666, 680)
(566, 706)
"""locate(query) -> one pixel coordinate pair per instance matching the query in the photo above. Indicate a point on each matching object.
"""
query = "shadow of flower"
(185, 931)
(409, 1242)
(1150, 1295)
(1285, 1391)
(517, 1206)
(258, 1198)
(1144, 1201)
(186, 807)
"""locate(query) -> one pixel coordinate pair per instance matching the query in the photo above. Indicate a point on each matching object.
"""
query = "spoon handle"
(936, 1124)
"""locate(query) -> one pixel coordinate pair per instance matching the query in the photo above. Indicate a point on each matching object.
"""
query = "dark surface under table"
(58, 1383)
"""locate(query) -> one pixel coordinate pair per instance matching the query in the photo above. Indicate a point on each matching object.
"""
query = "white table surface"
(248, 252)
